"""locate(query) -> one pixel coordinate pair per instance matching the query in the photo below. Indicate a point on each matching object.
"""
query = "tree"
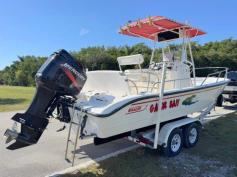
(23, 70)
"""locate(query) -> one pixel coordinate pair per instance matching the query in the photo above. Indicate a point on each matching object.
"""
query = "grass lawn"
(214, 156)
(14, 98)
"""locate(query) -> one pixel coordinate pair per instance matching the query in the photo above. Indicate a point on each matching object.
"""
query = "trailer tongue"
(59, 77)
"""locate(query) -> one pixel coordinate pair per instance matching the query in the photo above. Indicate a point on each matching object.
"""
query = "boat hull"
(144, 112)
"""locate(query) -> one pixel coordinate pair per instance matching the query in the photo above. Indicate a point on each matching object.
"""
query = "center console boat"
(108, 105)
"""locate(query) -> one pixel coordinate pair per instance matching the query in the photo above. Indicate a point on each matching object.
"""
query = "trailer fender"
(167, 129)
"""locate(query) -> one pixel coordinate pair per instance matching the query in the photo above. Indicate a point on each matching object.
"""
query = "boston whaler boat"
(150, 106)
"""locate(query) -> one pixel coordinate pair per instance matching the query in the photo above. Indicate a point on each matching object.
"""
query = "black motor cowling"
(61, 75)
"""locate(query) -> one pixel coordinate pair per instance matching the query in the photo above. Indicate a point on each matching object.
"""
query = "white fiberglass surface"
(106, 91)
(110, 82)
(101, 105)
(209, 80)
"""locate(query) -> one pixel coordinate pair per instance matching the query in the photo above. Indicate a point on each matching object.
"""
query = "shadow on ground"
(231, 107)
(10, 101)
(214, 155)
(93, 152)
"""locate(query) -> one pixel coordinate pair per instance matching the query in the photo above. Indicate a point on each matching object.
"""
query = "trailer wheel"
(174, 144)
(191, 135)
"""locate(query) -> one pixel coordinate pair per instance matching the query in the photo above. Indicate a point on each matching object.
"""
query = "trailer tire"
(191, 135)
(219, 101)
(174, 143)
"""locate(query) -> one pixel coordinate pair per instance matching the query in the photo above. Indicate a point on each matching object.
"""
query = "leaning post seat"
(130, 60)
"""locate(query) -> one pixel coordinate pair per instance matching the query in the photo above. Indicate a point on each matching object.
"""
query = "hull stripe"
(173, 96)
(156, 96)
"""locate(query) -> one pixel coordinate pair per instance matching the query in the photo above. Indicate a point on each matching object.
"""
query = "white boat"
(151, 106)
(116, 102)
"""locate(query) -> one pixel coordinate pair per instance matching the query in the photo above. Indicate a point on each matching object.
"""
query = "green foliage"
(222, 53)
(101, 58)
(1, 78)
(22, 71)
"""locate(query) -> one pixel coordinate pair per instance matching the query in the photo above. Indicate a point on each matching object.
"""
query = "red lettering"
(164, 105)
(174, 103)
(171, 104)
(177, 102)
(152, 108)
(156, 108)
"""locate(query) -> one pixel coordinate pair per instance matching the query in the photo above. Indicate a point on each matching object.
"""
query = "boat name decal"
(165, 105)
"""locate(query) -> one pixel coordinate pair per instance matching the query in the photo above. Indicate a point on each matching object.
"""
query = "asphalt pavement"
(47, 156)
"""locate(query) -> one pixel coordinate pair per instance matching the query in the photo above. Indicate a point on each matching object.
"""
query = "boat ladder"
(73, 136)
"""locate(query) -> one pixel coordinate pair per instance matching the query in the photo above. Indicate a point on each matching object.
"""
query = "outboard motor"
(60, 76)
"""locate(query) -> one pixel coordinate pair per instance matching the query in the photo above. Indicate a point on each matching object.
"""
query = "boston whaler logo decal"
(189, 101)
(136, 108)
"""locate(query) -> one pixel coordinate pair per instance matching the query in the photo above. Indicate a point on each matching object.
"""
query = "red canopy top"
(159, 28)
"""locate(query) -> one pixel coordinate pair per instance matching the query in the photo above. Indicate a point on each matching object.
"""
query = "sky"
(40, 27)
